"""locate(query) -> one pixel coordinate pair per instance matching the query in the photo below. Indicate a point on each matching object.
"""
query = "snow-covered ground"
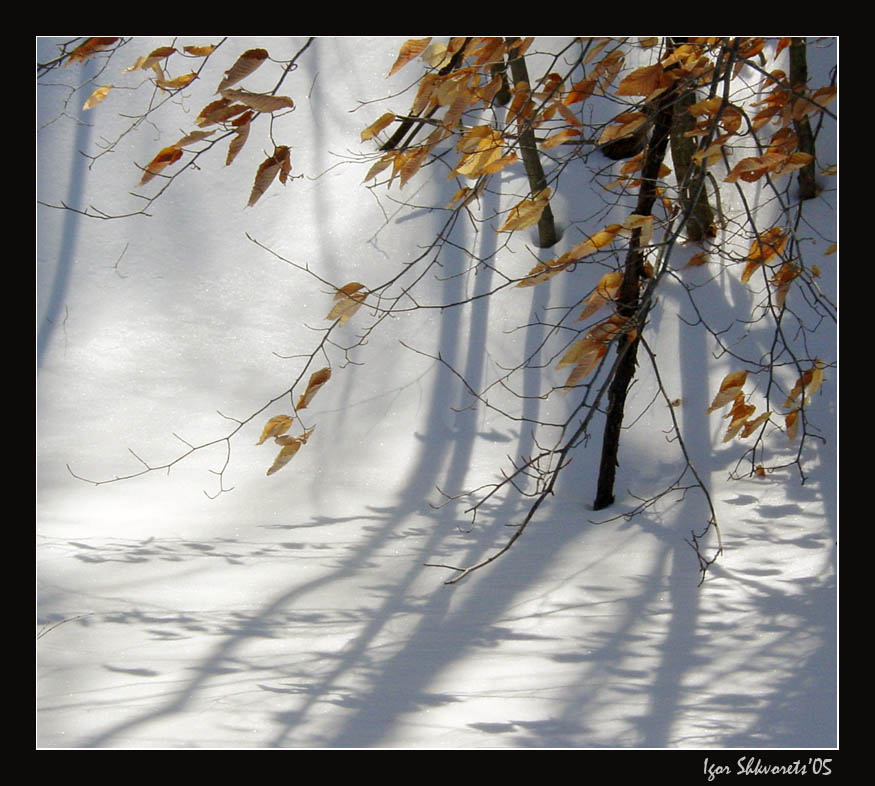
(296, 610)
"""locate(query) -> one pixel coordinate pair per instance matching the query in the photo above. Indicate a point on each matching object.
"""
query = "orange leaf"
(580, 91)
(152, 59)
(730, 387)
(605, 292)
(176, 83)
(260, 102)
(278, 163)
(791, 421)
(409, 49)
(218, 112)
(97, 96)
(194, 136)
(169, 155)
(199, 51)
(245, 65)
(291, 446)
(348, 300)
(591, 245)
(752, 425)
(378, 125)
(586, 353)
(527, 213)
(810, 382)
(236, 144)
(559, 138)
(317, 380)
(740, 414)
(380, 165)
(624, 125)
(277, 425)
(90, 48)
(642, 81)
(698, 259)
(766, 246)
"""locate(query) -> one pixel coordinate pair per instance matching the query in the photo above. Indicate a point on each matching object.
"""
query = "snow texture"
(296, 611)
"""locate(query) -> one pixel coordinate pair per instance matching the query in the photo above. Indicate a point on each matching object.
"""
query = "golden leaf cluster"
(740, 414)
(276, 428)
(806, 386)
(764, 248)
(235, 109)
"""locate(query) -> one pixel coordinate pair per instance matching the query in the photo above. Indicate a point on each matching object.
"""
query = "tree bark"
(799, 82)
(692, 194)
(628, 302)
(547, 236)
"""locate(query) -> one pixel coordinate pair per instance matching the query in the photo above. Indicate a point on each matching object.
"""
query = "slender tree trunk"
(531, 160)
(799, 81)
(628, 303)
(692, 194)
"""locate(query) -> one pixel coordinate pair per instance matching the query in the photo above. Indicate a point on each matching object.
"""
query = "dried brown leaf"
(526, 213)
(347, 301)
(409, 50)
(605, 292)
(810, 382)
(219, 111)
(169, 155)
(730, 388)
(279, 424)
(317, 380)
(199, 51)
(378, 125)
(97, 96)
(90, 48)
(248, 62)
(177, 83)
(278, 163)
(260, 102)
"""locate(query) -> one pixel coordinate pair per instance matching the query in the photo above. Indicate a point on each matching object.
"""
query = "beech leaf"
(317, 380)
(526, 213)
(90, 48)
(378, 125)
(605, 292)
(409, 49)
(347, 301)
(169, 155)
(260, 102)
(279, 424)
(245, 65)
(278, 163)
(97, 96)
(730, 387)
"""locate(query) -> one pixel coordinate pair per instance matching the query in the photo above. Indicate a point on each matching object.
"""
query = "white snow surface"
(297, 611)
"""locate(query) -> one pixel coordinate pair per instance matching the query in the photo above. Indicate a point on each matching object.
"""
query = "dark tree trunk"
(799, 82)
(628, 303)
(692, 195)
(531, 160)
